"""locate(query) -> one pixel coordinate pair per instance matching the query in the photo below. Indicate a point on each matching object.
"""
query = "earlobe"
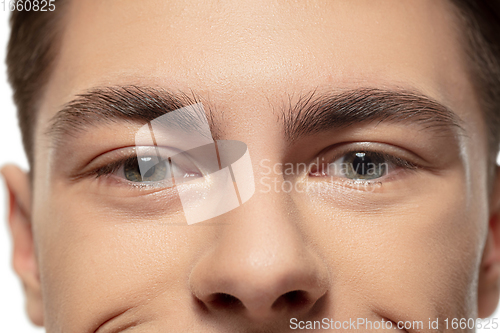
(489, 275)
(23, 254)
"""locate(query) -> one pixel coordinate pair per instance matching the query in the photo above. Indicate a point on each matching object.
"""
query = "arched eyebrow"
(134, 104)
(314, 113)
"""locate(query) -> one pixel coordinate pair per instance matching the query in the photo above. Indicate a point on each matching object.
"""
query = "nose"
(260, 266)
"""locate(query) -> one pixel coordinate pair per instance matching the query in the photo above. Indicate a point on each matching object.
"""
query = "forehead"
(230, 47)
(245, 55)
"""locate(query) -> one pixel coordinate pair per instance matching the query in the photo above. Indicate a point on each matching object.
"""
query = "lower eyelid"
(339, 185)
(118, 178)
(116, 181)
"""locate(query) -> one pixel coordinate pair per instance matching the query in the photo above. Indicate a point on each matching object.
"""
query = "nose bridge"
(270, 220)
(261, 260)
(261, 233)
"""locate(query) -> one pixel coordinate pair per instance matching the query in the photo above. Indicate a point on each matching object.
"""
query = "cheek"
(413, 256)
(95, 262)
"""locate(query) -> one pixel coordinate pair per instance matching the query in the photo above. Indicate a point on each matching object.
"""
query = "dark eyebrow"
(135, 104)
(315, 113)
(311, 114)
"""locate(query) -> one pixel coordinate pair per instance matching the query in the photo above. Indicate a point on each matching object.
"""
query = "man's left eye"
(361, 166)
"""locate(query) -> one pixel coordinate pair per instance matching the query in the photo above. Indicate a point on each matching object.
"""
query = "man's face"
(405, 247)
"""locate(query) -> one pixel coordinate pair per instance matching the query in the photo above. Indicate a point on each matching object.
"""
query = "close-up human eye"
(361, 165)
(361, 162)
(157, 172)
(151, 168)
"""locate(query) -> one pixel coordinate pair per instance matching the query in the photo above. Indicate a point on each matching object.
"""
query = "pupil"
(361, 164)
(155, 172)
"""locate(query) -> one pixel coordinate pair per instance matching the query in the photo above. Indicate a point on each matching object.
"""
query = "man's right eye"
(147, 169)
(155, 173)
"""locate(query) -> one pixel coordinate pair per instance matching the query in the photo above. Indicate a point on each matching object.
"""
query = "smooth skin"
(426, 244)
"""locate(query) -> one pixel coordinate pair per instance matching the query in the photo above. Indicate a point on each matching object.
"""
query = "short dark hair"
(31, 53)
(481, 25)
(35, 41)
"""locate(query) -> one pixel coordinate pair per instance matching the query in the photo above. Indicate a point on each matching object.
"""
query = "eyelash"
(112, 167)
(166, 167)
(400, 162)
(105, 172)
(387, 158)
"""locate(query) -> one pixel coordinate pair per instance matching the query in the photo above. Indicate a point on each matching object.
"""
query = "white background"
(12, 314)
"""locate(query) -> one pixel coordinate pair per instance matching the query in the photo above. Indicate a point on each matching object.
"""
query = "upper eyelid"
(389, 150)
(391, 158)
(114, 166)
(399, 162)
(118, 165)
(131, 151)
(117, 156)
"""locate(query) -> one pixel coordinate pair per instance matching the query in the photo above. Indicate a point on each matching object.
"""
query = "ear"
(489, 275)
(23, 254)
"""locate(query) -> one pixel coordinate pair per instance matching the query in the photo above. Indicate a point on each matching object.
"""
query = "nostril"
(225, 301)
(295, 299)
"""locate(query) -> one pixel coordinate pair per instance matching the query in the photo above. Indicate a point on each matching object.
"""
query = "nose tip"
(261, 308)
(260, 268)
(259, 293)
